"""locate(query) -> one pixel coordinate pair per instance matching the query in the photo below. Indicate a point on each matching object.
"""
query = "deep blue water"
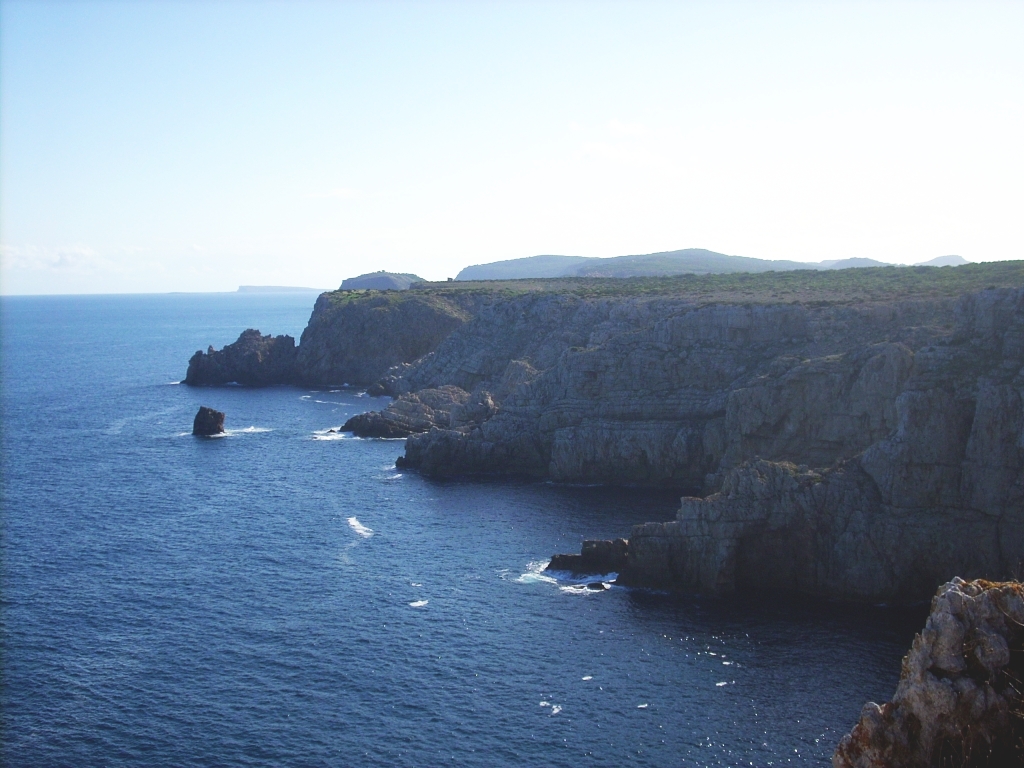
(276, 598)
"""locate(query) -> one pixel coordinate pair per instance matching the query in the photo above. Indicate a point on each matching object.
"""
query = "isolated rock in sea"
(959, 700)
(596, 556)
(253, 360)
(208, 422)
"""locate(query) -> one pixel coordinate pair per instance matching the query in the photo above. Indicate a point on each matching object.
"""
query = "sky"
(184, 146)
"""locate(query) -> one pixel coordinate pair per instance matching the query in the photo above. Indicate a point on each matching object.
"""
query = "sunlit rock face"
(959, 699)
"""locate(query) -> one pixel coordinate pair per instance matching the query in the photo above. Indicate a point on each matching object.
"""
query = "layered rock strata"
(959, 700)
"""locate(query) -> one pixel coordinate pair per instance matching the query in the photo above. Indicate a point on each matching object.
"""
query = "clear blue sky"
(159, 146)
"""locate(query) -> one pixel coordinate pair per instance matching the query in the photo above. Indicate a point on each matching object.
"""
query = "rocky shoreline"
(856, 435)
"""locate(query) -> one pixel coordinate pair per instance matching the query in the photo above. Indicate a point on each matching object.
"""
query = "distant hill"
(854, 263)
(695, 261)
(945, 261)
(278, 289)
(381, 281)
(531, 266)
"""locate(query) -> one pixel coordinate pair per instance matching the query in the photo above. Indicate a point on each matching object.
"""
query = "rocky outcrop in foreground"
(252, 361)
(208, 422)
(959, 700)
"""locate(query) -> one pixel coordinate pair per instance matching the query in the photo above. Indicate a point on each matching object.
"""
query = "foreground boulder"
(959, 700)
(208, 422)
(254, 360)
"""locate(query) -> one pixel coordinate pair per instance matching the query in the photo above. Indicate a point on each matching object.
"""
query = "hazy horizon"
(190, 147)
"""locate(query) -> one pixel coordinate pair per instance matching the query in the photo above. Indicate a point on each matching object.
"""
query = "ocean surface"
(284, 596)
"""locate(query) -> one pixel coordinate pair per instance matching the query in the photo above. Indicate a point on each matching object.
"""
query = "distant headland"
(278, 289)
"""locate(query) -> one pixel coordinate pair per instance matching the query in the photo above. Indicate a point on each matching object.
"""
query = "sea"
(284, 596)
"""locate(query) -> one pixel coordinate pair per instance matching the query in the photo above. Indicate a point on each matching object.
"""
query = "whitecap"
(535, 574)
(418, 603)
(359, 528)
(415, 584)
(555, 709)
(545, 704)
(642, 706)
(587, 677)
(719, 685)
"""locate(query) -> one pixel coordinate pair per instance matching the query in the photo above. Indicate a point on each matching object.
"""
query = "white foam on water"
(719, 685)
(555, 709)
(415, 584)
(418, 603)
(535, 574)
(580, 589)
(305, 397)
(587, 677)
(727, 663)
(545, 704)
(171, 383)
(248, 430)
(642, 706)
(337, 434)
(359, 528)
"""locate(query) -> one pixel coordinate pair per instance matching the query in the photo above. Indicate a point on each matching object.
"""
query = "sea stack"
(208, 422)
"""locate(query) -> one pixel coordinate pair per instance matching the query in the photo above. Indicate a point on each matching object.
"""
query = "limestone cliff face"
(665, 392)
(959, 700)
(868, 452)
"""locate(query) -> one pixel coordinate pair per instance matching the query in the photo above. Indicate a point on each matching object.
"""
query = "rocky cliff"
(959, 701)
(864, 449)
(353, 337)
(858, 433)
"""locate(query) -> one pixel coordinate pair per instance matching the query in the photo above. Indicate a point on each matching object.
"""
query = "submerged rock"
(959, 701)
(208, 422)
